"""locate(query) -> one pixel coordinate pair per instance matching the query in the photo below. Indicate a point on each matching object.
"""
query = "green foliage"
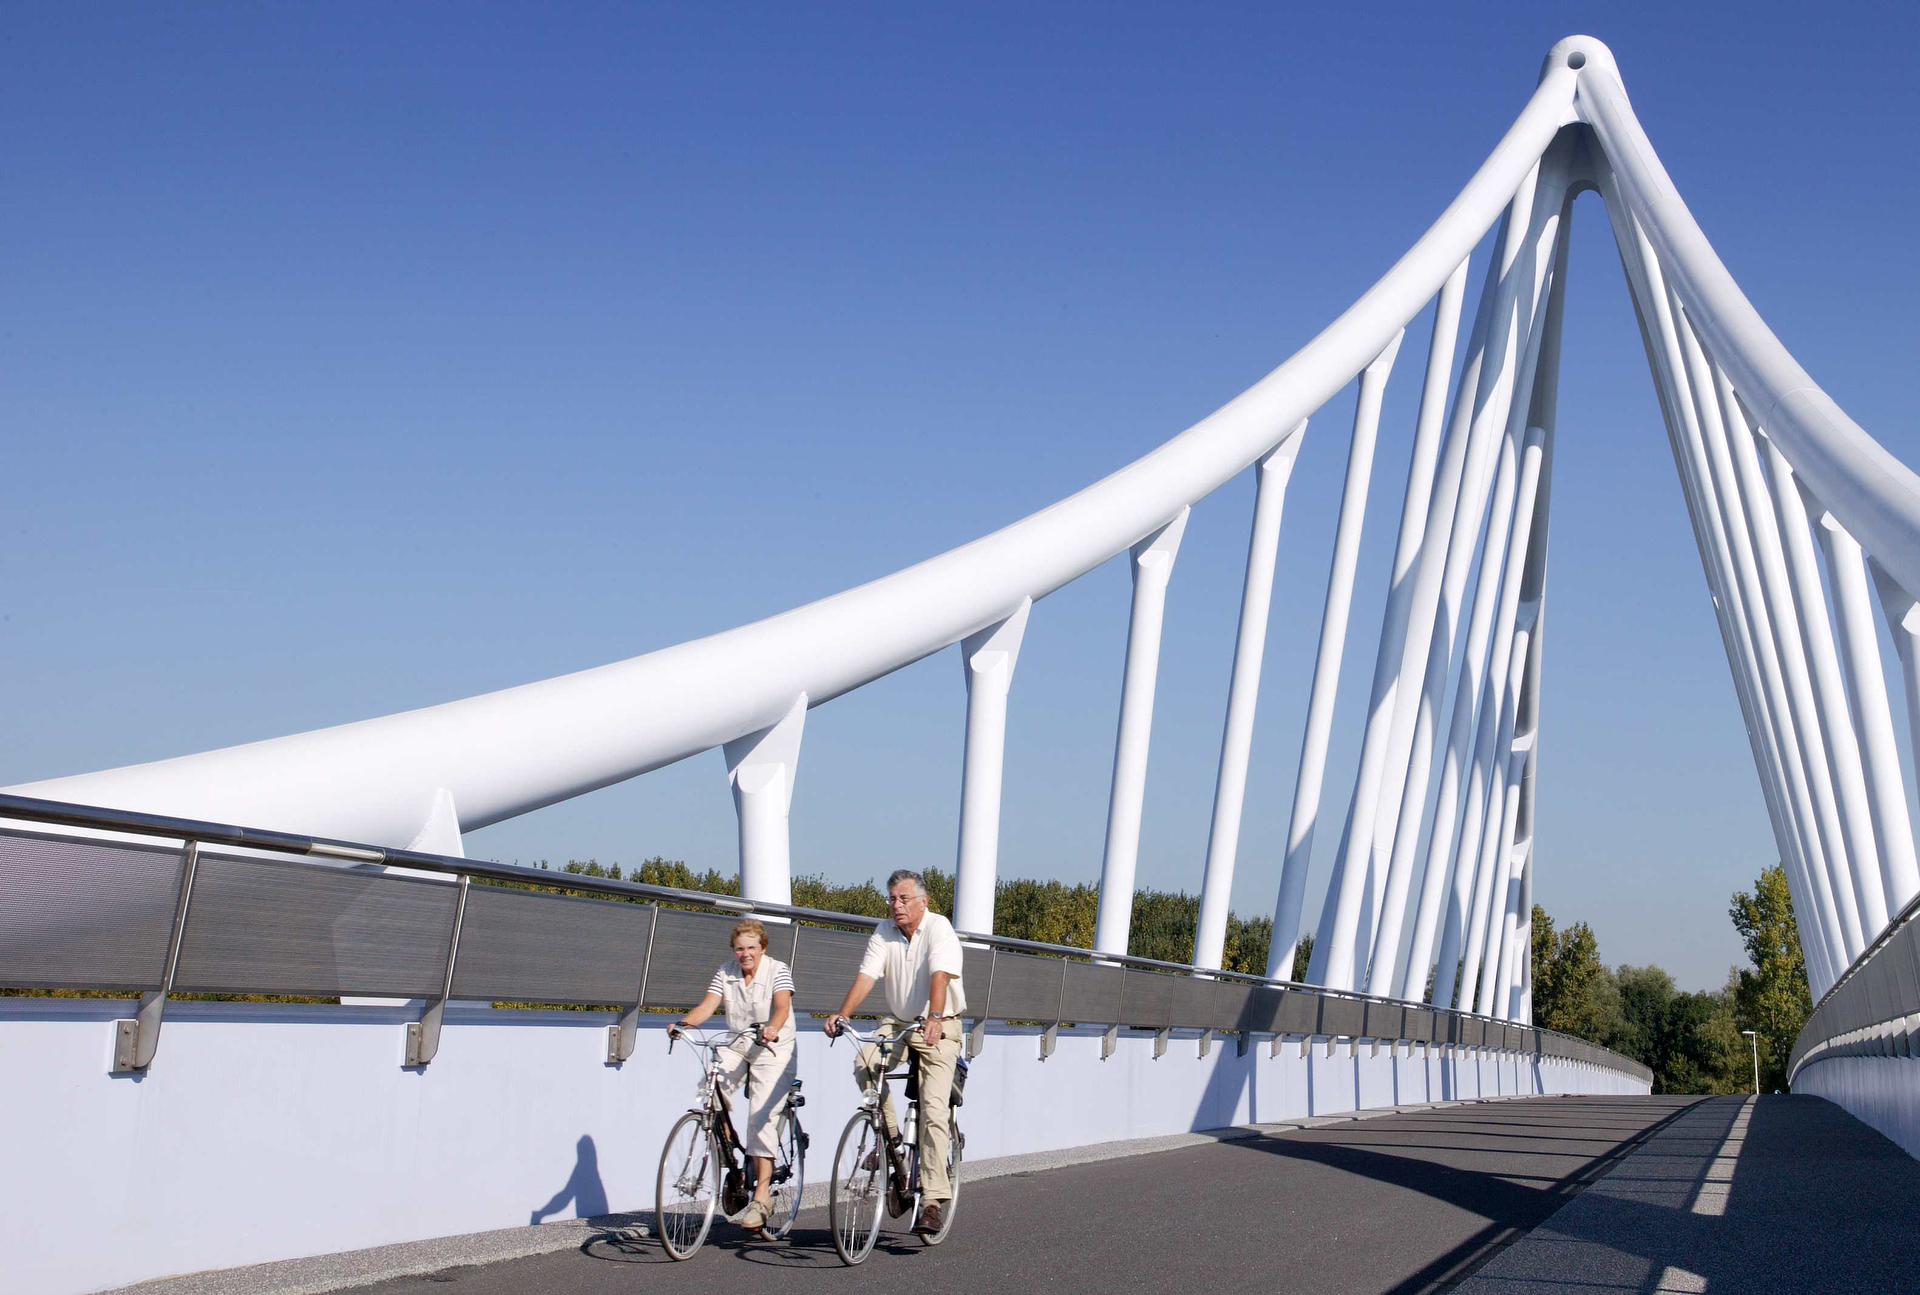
(1048, 911)
(1771, 998)
(1691, 1041)
(1572, 991)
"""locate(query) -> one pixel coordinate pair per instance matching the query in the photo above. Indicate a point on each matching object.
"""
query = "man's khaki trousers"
(936, 1086)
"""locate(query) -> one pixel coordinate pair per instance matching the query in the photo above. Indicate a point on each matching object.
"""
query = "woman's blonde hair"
(749, 927)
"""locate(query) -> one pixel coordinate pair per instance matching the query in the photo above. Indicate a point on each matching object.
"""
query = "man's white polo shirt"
(904, 967)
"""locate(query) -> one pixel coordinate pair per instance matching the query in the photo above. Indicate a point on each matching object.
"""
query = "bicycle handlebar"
(715, 1041)
(870, 1036)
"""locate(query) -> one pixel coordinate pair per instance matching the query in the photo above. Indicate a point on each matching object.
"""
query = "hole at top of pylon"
(1576, 60)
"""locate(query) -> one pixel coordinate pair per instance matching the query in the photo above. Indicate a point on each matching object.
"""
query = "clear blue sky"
(360, 358)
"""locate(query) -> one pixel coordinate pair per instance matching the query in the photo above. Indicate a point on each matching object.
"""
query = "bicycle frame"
(715, 1111)
(909, 1120)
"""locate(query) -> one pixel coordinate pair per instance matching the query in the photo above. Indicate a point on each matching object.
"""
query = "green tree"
(1570, 993)
(1771, 998)
(1689, 1040)
(1048, 911)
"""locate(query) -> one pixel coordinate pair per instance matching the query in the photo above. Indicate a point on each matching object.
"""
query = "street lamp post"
(1756, 1060)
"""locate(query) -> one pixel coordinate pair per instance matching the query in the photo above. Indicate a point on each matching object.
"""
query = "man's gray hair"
(907, 874)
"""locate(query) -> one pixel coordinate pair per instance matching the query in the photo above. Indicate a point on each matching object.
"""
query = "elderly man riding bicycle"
(916, 959)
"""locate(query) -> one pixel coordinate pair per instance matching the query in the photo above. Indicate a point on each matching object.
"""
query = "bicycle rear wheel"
(789, 1176)
(687, 1187)
(859, 1188)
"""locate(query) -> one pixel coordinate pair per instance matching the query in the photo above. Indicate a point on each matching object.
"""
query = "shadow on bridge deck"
(1780, 1195)
(1659, 1194)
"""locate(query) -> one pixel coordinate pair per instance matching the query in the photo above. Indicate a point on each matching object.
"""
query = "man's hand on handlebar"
(834, 1025)
(933, 1029)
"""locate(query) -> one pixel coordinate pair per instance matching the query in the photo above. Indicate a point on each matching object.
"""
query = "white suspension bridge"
(1808, 533)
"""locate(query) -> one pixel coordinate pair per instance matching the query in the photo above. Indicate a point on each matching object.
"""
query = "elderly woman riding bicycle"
(756, 990)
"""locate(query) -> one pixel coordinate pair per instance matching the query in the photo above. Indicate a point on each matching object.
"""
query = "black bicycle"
(703, 1165)
(868, 1179)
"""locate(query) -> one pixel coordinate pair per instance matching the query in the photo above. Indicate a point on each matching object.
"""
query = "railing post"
(423, 1035)
(987, 659)
(622, 1035)
(136, 1040)
(1243, 694)
(1051, 1037)
(1152, 565)
(977, 1036)
(1111, 1039)
(761, 768)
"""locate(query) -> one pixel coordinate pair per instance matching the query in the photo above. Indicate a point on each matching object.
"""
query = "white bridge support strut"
(988, 658)
(1807, 531)
(1272, 473)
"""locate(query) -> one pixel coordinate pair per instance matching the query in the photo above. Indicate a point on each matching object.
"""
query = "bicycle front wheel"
(687, 1187)
(789, 1177)
(859, 1188)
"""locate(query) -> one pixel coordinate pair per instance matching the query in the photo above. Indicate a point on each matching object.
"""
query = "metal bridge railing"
(175, 906)
(1873, 1009)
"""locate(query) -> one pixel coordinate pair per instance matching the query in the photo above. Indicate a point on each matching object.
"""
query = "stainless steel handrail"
(126, 822)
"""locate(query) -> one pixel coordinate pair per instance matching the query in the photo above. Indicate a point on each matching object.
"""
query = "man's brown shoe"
(929, 1220)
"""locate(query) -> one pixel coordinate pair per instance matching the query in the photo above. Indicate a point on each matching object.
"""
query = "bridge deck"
(1580, 1193)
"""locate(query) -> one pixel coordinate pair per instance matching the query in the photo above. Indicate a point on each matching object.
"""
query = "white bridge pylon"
(1804, 524)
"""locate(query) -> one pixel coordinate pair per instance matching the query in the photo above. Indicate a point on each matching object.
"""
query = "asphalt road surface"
(1395, 1204)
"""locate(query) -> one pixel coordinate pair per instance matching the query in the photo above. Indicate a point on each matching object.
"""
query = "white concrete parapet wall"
(266, 1132)
(1882, 1092)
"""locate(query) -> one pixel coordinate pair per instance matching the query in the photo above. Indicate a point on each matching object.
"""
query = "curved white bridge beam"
(509, 752)
(1792, 507)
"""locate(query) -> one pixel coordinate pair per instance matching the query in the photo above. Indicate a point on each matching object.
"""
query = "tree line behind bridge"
(1691, 1041)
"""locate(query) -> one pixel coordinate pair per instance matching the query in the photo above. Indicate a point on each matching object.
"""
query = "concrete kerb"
(319, 1274)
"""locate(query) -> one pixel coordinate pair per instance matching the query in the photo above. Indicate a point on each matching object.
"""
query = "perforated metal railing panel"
(1343, 1016)
(1383, 1021)
(1299, 1013)
(1146, 999)
(1191, 1002)
(826, 965)
(1882, 991)
(1230, 1000)
(1262, 1009)
(263, 926)
(85, 914)
(687, 948)
(1093, 993)
(80, 913)
(519, 945)
(1025, 988)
